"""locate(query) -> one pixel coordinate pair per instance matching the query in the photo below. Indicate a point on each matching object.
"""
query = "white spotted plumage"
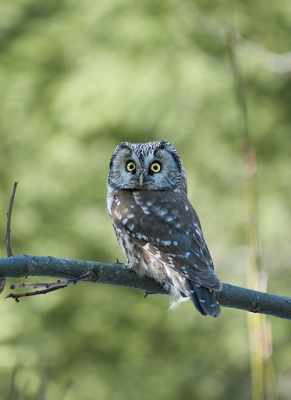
(156, 226)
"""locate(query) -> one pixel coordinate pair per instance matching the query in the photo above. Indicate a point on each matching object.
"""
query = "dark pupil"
(155, 167)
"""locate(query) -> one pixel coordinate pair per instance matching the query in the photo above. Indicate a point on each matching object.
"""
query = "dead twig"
(8, 243)
(49, 286)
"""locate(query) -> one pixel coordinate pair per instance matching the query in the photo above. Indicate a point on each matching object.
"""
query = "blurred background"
(77, 78)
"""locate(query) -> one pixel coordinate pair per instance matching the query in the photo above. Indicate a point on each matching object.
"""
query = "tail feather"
(204, 300)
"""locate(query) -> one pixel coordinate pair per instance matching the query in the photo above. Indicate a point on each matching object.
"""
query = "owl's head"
(146, 166)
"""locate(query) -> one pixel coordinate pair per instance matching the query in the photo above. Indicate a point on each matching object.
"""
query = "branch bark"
(118, 274)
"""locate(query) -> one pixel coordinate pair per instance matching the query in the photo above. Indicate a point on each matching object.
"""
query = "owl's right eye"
(130, 166)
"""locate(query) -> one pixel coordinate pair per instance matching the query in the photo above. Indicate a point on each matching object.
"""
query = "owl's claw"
(146, 294)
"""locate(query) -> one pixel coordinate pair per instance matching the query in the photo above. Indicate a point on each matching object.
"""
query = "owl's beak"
(140, 179)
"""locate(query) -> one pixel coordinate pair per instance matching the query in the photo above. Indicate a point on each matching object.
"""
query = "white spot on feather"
(162, 211)
(124, 221)
(169, 218)
(118, 215)
(198, 233)
(166, 242)
(145, 210)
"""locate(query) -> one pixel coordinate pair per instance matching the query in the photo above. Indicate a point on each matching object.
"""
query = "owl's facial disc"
(146, 166)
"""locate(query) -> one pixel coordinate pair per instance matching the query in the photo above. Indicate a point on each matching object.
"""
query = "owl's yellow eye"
(155, 167)
(130, 166)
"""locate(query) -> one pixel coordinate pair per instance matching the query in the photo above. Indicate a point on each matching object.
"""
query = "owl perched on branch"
(156, 226)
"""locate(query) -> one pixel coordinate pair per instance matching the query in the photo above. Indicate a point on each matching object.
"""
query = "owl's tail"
(203, 299)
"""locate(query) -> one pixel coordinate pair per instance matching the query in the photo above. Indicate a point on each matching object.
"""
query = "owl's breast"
(125, 214)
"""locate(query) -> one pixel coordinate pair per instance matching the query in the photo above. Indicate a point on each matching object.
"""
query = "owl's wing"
(167, 224)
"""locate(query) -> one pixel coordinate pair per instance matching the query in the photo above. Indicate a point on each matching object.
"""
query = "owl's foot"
(146, 294)
(131, 268)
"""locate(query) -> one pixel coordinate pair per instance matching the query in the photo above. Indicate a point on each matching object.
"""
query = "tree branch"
(118, 274)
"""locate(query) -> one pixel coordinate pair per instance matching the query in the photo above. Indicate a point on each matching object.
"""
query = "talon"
(146, 294)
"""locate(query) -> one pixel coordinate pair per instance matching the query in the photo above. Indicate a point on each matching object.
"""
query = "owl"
(156, 226)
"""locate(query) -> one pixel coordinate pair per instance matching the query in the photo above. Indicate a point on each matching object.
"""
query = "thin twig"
(49, 286)
(8, 244)
(17, 296)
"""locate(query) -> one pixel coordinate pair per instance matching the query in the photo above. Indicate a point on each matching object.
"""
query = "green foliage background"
(77, 78)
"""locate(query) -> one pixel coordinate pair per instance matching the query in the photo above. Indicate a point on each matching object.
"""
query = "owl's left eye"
(130, 166)
(155, 167)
